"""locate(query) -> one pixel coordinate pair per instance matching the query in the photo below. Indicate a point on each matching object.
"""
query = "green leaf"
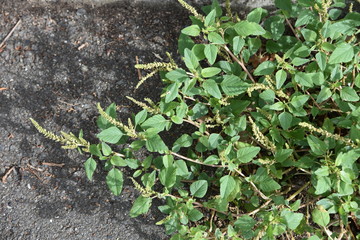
(95, 150)
(256, 15)
(210, 71)
(346, 160)
(245, 222)
(177, 75)
(212, 159)
(299, 101)
(309, 35)
(148, 179)
(345, 189)
(191, 60)
(198, 50)
(349, 94)
(171, 92)
(114, 180)
(157, 122)
(210, 18)
(284, 4)
(212, 88)
(199, 110)
(269, 185)
(317, 78)
(195, 215)
(275, 25)
(227, 185)
(184, 141)
(215, 38)
(140, 117)
(283, 154)
(168, 176)
(232, 85)
(184, 42)
(193, 30)
(110, 135)
(320, 216)
(292, 219)
(314, 237)
(214, 140)
(246, 154)
(140, 206)
(304, 79)
(334, 13)
(101, 122)
(181, 168)
(277, 106)
(265, 68)
(299, 61)
(155, 144)
(246, 28)
(118, 161)
(90, 167)
(285, 119)
(323, 185)
(344, 52)
(321, 60)
(316, 145)
(357, 81)
(267, 95)
(211, 53)
(238, 44)
(304, 18)
(199, 188)
(244, 225)
(324, 94)
(168, 160)
(280, 78)
(106, 149)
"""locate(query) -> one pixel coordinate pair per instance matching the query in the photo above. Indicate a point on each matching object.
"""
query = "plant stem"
(241, 63)
(262, 195)
(195, 161)
(292, 28)
(195, 124)
(298, 191)
(258, 209)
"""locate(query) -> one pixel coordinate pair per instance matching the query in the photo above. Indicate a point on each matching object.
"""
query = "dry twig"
(10, 33)
(53, 164)
(4, 178)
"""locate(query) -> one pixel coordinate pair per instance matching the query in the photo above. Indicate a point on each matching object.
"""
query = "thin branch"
(4, 178)
(292, 28)
(262, 195)
(195, 124)
(298, 191)
(196, 161)
(258, 209)
(10, 33)
(241, 63)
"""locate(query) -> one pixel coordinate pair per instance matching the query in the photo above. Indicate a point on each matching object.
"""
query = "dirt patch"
(58, 63)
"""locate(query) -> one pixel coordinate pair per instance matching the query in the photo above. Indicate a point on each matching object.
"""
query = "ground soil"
(59, 62)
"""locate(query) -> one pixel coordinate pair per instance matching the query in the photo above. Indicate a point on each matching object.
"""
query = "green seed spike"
(143, 79)
(325, 133)
(143, 105)
(157, 65)
(46, 133)
(191, 9)
(261, 138)
(129, 132)
(228, 8)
